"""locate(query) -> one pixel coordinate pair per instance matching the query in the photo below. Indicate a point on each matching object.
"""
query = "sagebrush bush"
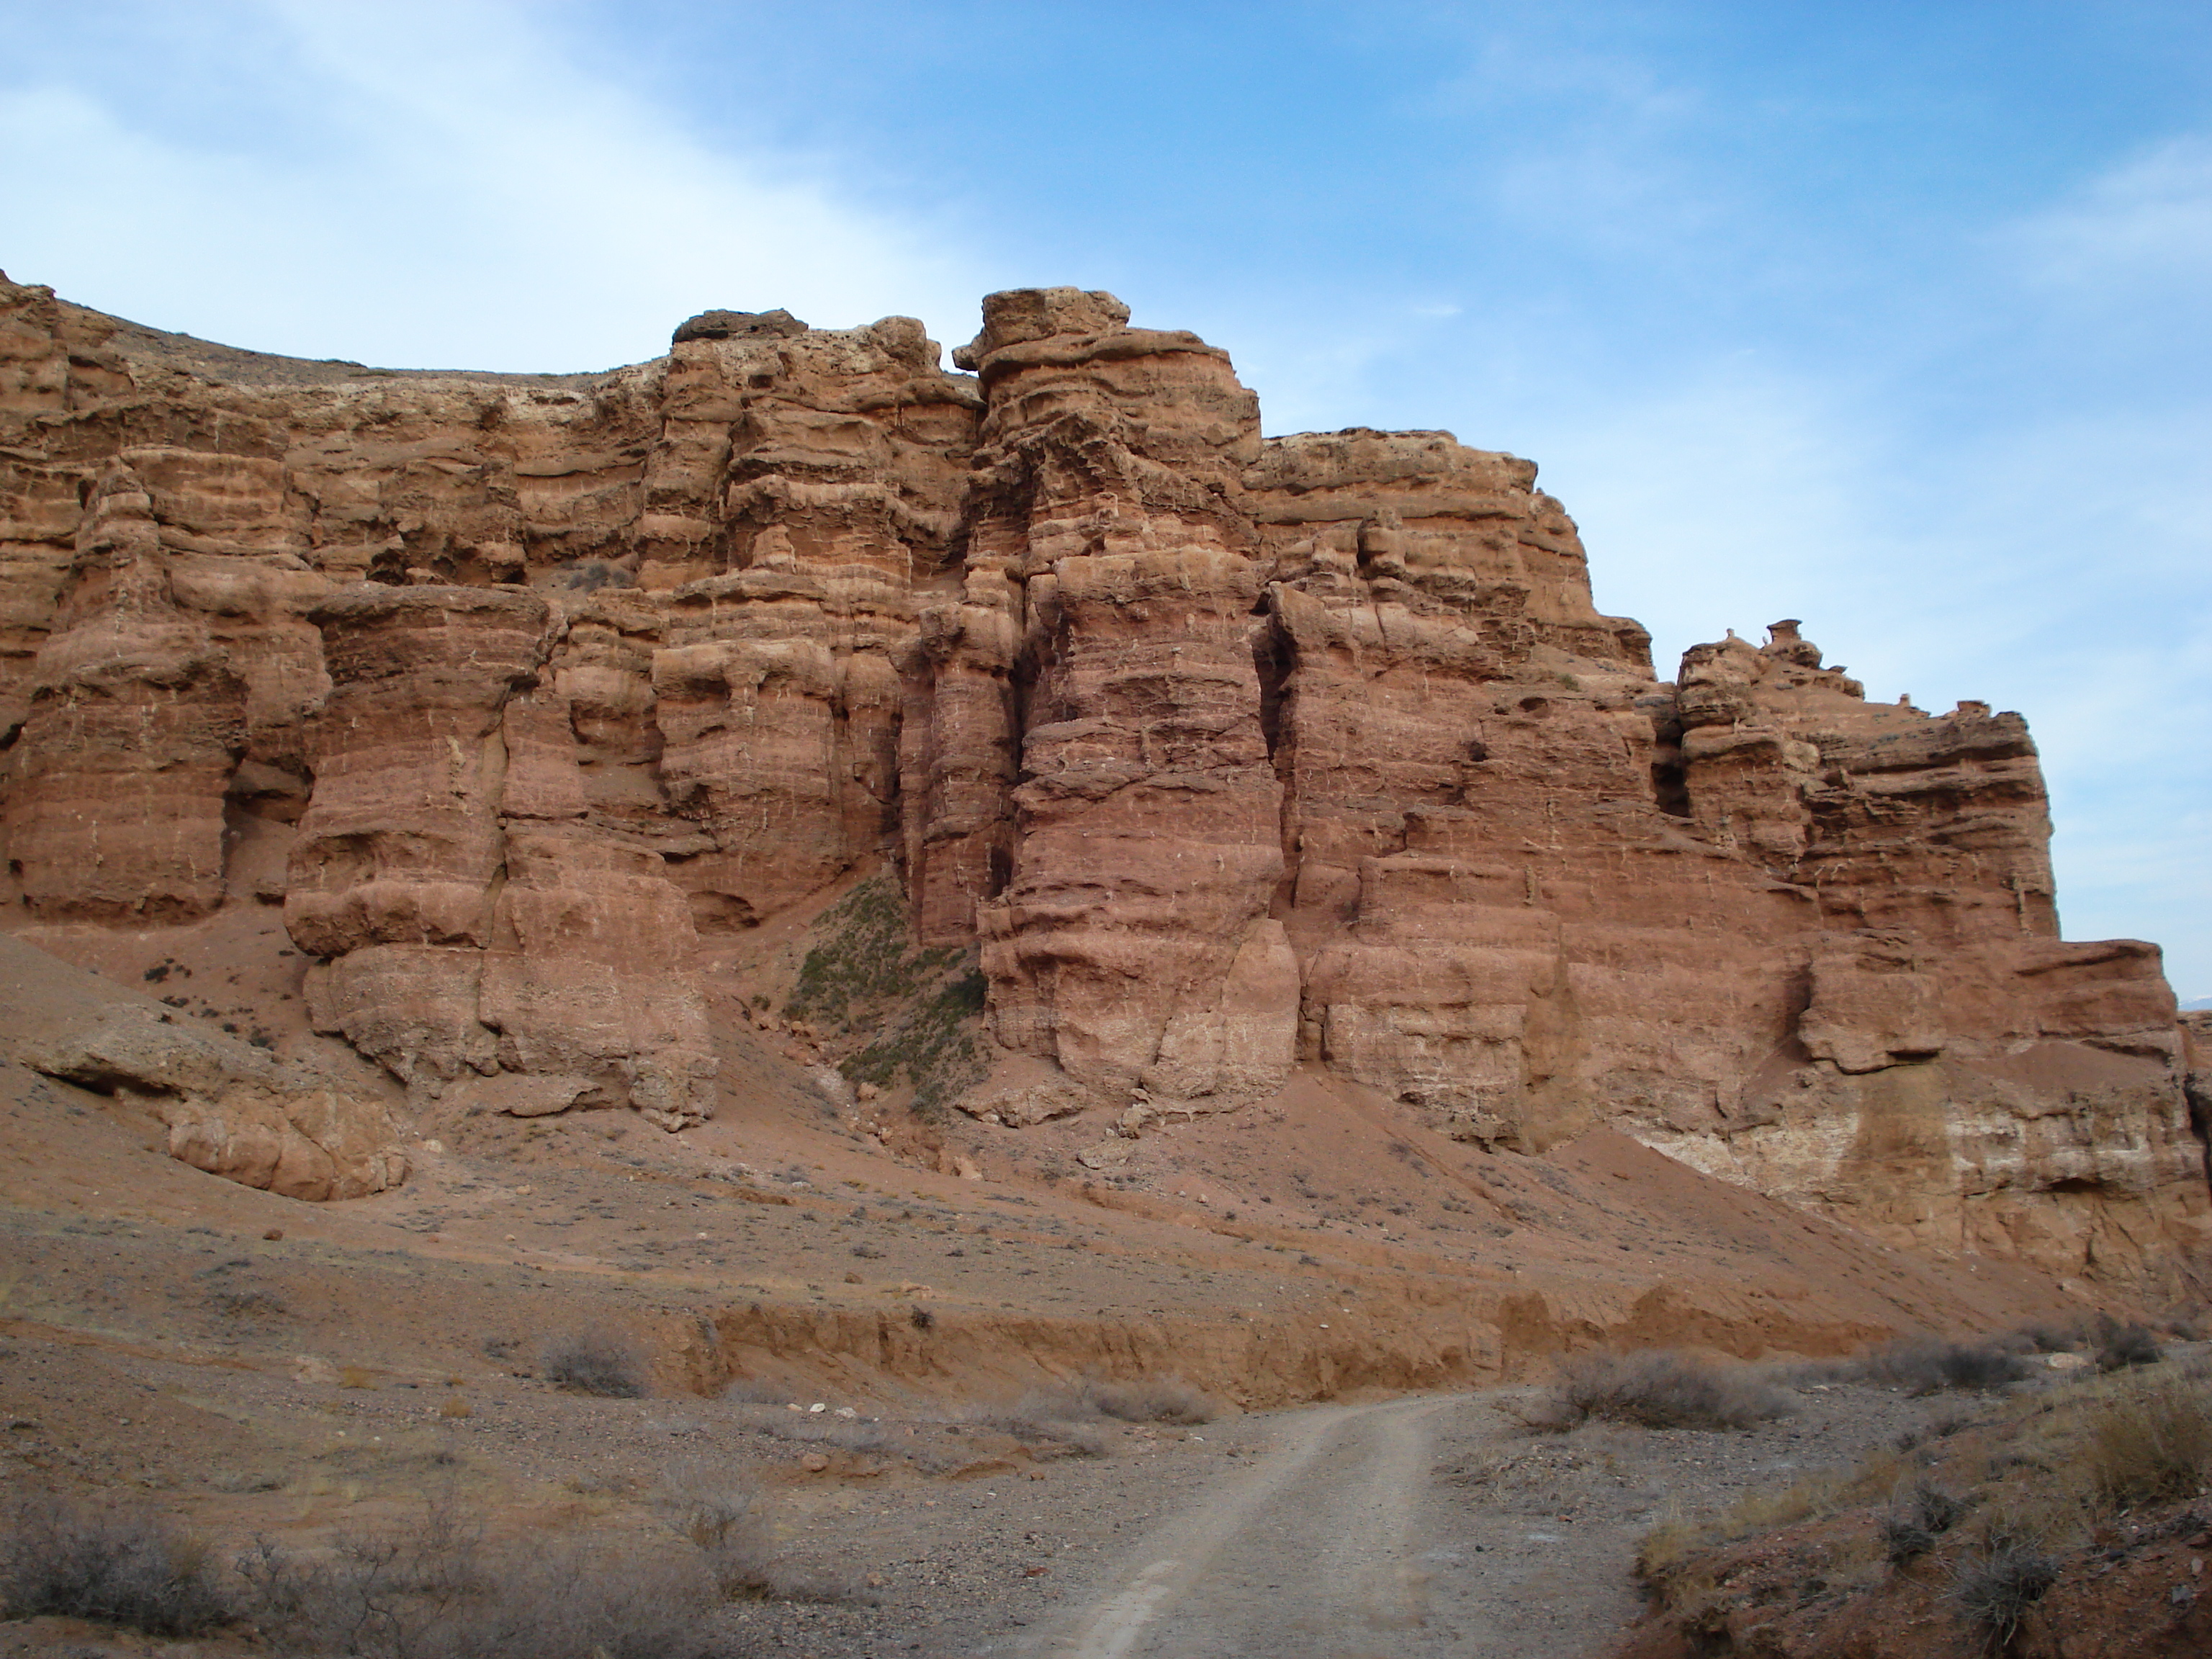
(1660, 1388)
(594, 1362)
(112, 1564)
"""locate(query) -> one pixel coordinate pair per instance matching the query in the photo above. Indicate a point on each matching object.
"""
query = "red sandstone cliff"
(1228, 753)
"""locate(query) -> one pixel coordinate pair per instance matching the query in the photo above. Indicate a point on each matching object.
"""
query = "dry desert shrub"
(1044, 1418)
(2123, 1346)
(113, 1565)
(830, 1582)
(1658, 1388)
(755, 1391)
(724, 1512)
(375, 1592)
(430, 1590)
(2050, 1337)
(595, 1362)
(1152, 1400)
(805, 1428)
(1061, 1415)
(1925, 1366)
(574, 1604)
(1911, 1529)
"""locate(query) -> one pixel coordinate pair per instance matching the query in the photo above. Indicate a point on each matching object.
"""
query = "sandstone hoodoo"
(1226, 754)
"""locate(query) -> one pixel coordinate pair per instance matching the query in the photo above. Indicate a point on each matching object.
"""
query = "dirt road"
(1350, 1535)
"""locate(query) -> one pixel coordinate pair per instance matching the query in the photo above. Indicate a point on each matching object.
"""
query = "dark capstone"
(735, 325)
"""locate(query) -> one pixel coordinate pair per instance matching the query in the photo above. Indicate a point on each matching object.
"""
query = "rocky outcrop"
(229, 1109)
(1225, 753)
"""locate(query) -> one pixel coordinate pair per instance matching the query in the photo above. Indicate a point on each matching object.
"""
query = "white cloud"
(2146, 223)
(482, 201)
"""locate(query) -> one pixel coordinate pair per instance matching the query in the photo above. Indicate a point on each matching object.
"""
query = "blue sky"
(1890, 317)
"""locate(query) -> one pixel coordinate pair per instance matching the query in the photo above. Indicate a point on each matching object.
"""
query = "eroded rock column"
(1132, 943)
(819, 472)
(136, 719)
(392, 880)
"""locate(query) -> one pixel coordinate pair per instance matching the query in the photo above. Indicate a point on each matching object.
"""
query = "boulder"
(230, 1109)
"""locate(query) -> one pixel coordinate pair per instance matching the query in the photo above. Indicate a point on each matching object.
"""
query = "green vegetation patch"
(916, 1011)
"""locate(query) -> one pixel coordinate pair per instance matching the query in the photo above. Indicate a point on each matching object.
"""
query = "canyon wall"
(1227, 753)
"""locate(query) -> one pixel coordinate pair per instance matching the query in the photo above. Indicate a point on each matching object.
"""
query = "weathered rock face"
(471, 919)
(1227, 752)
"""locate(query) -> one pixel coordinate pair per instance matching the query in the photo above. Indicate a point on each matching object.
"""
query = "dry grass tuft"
(2150, 1441)
(1996, 1589)
(1668, 1547)
(1998, 1505)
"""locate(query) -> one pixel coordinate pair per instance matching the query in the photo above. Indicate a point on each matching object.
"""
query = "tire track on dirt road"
(1311, 1551)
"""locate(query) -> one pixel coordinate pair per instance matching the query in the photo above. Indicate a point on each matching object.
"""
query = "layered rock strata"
(1227, 753)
